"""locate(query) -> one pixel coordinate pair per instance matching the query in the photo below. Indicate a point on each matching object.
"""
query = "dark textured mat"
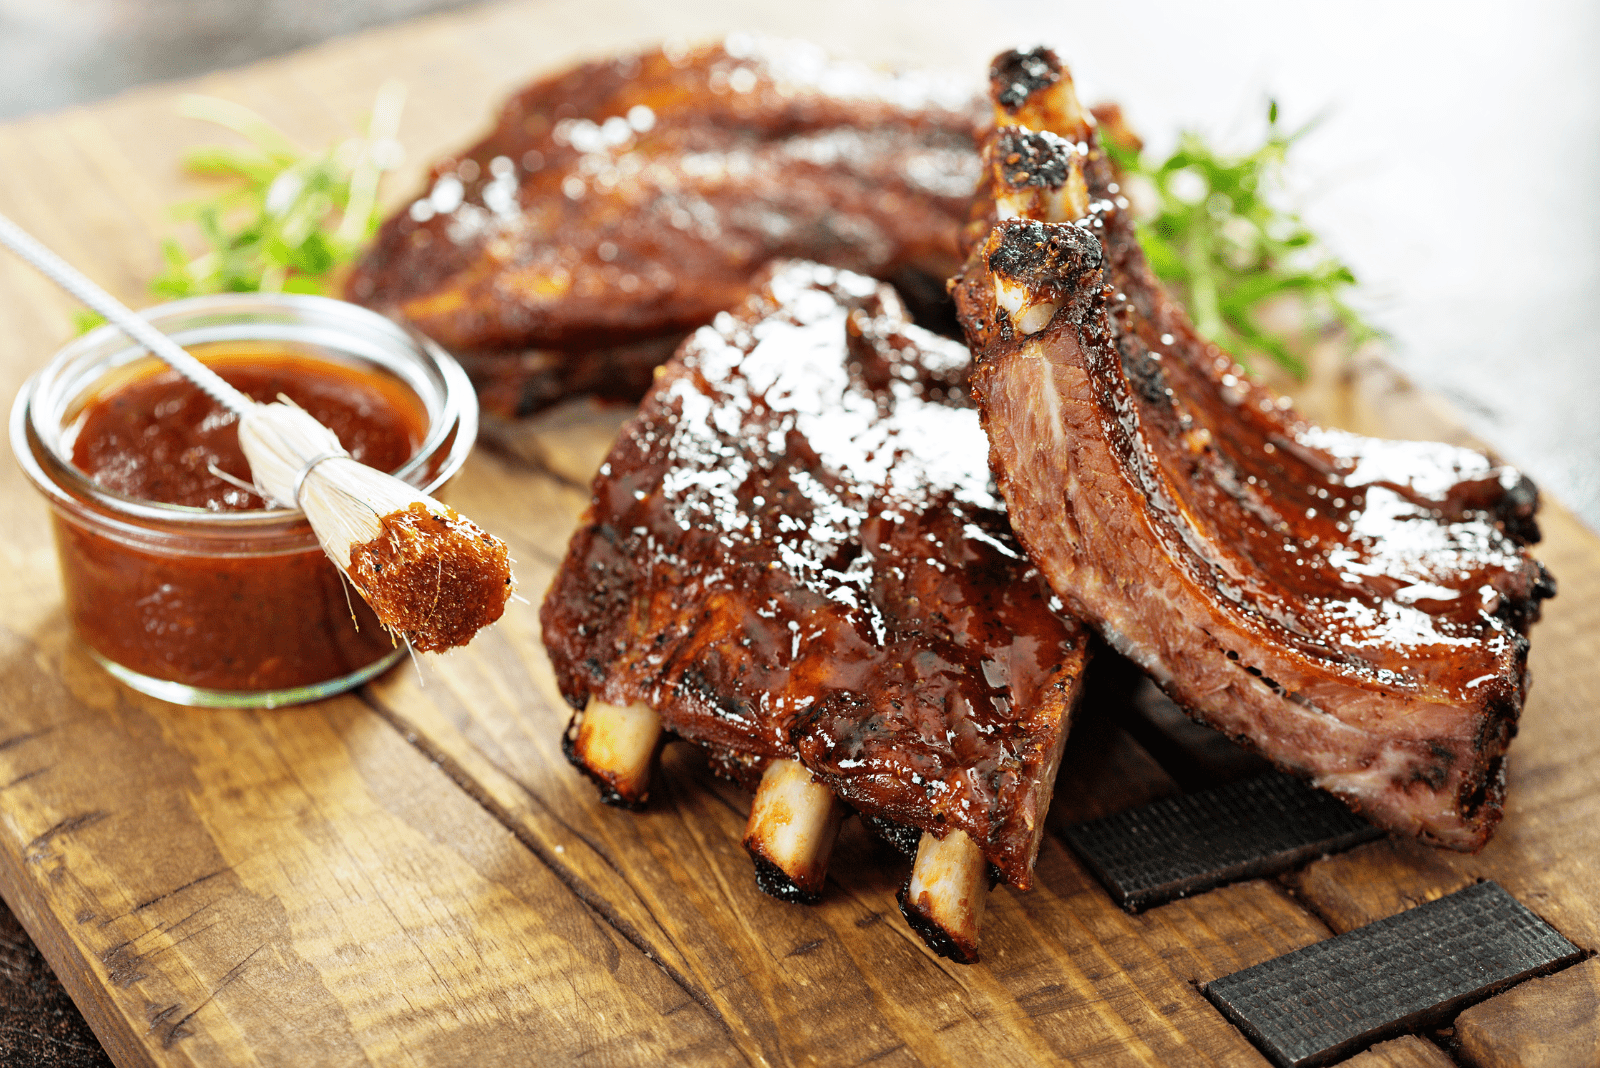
(1329, 1000)
(1183, 845)
(40, 1027)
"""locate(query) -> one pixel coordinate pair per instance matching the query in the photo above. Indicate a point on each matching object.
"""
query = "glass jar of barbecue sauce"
(224, 601)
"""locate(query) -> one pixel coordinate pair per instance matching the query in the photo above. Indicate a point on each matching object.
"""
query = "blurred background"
(1456, 165)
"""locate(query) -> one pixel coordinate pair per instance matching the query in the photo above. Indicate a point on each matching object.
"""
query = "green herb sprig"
(289, 218)
(1222, 243)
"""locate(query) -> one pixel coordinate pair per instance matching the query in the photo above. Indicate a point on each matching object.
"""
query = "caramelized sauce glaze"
(630, 199)
(797, 548)
(1400, 560)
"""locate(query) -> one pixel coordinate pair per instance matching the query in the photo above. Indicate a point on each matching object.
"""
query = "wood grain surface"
(1405, 1052)
(1545, 1023)
(412, 874)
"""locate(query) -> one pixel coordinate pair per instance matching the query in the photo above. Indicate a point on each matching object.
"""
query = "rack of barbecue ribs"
(620, 204)
(1356, 610)
(795, 557)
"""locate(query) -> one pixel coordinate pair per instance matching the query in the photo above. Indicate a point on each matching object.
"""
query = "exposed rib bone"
(1125, 443)
(943, 899)
(1033, 89)
(793, 823)
(1027, 174)
(614, 746)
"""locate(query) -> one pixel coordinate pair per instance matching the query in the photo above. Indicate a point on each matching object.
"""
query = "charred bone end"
(1014, 76)
(793, 823)
(1033, 89)
(615, 746)
(944, 897)
(1516, 510)
(1036, 175)
(1022, 277)
(901, 836)
(1041, 256)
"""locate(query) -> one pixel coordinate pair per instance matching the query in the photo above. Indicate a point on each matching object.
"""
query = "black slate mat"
(1182, 845)
(1331, 999)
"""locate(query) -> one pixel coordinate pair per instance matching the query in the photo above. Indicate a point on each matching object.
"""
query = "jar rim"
(346, 329)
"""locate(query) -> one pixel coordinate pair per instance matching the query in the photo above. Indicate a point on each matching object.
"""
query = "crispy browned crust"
(630, 199)
(1355, 609)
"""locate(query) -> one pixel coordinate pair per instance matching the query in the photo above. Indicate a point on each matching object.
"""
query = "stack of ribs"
(795, 557)
(1357, 610)
(621, 204)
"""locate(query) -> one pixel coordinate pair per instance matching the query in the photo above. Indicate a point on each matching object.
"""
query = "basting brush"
(433, 577)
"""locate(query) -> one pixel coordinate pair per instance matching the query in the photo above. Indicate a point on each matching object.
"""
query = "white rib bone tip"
(793, 823)
(616, 745)
(1014, 204)
(1029, 316)
(1036, 318)
(1071, 202)
(1012, 299)
(1066, 203)
(945, 895)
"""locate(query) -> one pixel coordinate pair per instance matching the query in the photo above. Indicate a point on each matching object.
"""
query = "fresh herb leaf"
(288, 219)
(1218, 238)
(84, 320)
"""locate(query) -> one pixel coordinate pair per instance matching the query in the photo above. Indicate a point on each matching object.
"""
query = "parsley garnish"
(289, 218)
(1222, 244)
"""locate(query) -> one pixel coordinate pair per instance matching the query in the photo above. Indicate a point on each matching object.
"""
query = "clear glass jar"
(220, 608)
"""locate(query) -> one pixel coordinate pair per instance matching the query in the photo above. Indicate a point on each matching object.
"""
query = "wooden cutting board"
(412, 874)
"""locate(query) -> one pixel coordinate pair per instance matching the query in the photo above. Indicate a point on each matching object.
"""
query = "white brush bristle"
(342, 498)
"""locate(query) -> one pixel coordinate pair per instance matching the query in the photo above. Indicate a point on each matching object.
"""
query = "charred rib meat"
(620, 204)
(1355, 609)
(795, 551)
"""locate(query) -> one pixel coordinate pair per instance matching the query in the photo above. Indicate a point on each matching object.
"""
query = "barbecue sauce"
(156, 437)
(438, 578)
(251, 613)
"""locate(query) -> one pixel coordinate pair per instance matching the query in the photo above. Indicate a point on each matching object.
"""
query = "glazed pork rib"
(795, 553)
(620, 204)
(1354, 609)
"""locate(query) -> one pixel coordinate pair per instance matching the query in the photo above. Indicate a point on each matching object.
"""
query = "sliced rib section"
(1355, 609)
